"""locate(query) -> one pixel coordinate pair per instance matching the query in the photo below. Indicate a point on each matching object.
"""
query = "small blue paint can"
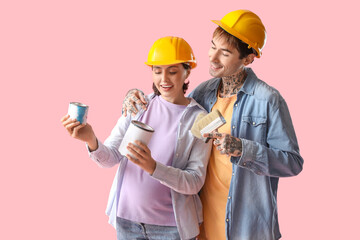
(78, 111)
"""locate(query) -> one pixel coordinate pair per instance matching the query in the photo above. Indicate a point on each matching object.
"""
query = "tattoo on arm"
(234, 145)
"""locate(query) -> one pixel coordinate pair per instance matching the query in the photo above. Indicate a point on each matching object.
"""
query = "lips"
(215, 67)
(166, 87)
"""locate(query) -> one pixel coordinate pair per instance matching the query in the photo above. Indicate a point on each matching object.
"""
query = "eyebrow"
(156, 67)
(222, 49)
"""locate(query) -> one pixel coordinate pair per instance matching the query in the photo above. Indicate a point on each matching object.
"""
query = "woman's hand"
(83, 132)
(142, 156)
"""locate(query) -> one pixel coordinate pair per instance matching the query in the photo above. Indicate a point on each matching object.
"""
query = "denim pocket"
(253, 128)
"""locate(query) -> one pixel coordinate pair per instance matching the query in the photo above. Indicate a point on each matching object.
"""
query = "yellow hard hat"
(170, 50)
(246, 26)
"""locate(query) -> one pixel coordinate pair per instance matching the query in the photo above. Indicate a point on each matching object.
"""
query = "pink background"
(54, 52)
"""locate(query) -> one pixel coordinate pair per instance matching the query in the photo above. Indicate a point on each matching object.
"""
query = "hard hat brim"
(237, 35)
(192, 64)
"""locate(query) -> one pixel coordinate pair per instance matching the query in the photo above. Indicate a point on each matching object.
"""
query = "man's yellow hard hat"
(246, 26)
(170, 50)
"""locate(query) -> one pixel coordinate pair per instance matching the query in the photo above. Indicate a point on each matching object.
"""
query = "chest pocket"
(253, 128)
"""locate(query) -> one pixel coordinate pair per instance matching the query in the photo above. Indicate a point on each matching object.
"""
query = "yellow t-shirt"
(216, 188)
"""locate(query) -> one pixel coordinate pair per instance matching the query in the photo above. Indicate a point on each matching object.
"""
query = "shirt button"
(244, 164)
(235, 105)
(254, 123)
(229, 197)
(233, 127)
(227, 220)
(233, 174)
(177, 154)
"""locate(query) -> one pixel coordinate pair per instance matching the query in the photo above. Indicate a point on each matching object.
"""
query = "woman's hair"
(185, 86)
(242, 47)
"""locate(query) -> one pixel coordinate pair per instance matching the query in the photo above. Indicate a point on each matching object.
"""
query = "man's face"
(224, 59)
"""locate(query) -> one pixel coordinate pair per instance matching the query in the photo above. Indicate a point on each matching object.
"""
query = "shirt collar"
(250, 82)
(192, 103)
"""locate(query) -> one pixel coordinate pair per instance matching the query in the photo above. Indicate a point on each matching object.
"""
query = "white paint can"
(136, 131)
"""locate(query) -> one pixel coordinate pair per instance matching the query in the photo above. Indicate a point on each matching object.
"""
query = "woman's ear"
(188, 73)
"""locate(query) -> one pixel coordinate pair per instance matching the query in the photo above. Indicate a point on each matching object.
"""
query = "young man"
(255, 148)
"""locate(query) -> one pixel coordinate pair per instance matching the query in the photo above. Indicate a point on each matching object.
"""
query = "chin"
(215, 74)
(165, 94)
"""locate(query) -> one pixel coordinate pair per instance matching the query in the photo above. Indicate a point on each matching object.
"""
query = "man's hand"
(133, 97)
(226, 143)
(142, 156)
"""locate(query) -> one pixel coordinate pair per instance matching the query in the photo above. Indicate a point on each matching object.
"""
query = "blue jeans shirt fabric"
(262, 121)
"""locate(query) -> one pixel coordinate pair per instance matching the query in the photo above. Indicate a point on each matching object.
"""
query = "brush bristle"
(195, 130)
(209, 118)
(207, 123)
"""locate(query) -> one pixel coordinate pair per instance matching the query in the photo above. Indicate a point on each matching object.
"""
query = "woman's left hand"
(142, 156)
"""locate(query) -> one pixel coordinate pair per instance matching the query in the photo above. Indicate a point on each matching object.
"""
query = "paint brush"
(206, 123)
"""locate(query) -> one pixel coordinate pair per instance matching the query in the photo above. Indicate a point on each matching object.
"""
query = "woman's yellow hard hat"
(246, 26)
(170, 50)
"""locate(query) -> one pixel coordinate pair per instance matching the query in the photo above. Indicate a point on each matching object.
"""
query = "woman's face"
(169, 80)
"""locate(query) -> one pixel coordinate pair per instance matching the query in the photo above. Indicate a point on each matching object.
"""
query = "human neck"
(230, 85)
(179, 100)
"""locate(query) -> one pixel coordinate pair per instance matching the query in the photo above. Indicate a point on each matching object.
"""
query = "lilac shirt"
(143, 198)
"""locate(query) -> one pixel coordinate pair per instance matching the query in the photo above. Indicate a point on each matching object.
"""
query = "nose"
(213, 55)
(164, 76)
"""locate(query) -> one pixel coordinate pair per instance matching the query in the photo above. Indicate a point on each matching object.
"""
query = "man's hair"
(233, 41)
(185, 86)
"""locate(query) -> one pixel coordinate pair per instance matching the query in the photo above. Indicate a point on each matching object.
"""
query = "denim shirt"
(185, 177)
(262, 121)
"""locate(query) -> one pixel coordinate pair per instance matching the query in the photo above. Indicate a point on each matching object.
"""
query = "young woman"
(154, 195)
